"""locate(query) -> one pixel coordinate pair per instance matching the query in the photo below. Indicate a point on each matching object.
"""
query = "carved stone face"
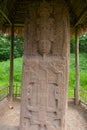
(44, 47)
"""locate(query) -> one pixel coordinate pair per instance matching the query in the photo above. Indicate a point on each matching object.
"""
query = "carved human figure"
(44, 28)
(42, 99)
(44, 82)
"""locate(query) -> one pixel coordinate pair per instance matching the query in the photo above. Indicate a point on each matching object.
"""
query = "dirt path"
(77, 118)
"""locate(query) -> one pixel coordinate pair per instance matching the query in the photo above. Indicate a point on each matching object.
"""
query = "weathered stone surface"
(45, 68)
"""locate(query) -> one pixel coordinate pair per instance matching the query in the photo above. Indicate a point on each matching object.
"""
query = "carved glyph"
(43, 95)
(45, 28)
(44, 82)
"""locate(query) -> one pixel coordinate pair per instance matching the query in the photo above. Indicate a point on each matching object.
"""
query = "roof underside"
(14, 11)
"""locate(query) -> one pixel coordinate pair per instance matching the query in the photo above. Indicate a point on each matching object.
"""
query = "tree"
(5, 47)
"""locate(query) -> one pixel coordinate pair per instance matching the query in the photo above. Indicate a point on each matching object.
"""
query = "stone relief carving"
(43, 92)
(45, 32)
(44, 83)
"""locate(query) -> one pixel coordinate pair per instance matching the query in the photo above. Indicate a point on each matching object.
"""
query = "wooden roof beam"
(1, 1)
(3, 14)
(82, 15)
(73, 15)
(17, 24)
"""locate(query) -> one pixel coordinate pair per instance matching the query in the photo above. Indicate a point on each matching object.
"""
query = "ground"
(77, 117)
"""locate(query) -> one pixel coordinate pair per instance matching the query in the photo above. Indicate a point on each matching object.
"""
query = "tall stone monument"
(45, 66)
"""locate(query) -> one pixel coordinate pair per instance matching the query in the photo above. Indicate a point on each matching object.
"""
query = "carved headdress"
(45, 8)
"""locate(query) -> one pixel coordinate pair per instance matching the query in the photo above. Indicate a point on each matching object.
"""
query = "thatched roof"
(14, 11)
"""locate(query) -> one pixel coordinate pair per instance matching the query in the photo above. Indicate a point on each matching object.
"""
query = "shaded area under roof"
(14, 11)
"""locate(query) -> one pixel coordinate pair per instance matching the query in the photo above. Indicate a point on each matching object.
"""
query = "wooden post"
(77, 67)
(11, 86)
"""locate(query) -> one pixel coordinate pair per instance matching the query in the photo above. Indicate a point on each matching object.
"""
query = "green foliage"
(82, 44)
(5, 70)
(83, 95)
(83, 80)
(72, 45)
(18, 44)
(5, 47)
(17, 71)
(71, 93)
(4, 73)
(72, 80)
(83, 71)
(83, 76)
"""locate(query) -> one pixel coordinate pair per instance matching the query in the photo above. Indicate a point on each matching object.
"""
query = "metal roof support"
(77, 67)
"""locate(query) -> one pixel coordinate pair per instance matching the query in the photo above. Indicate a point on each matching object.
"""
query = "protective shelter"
(48, 25)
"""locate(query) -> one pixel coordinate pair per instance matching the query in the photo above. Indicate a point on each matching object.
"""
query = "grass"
(4, 92)
(5, 68)
(83, 76)
(83, 71)
(4, 73)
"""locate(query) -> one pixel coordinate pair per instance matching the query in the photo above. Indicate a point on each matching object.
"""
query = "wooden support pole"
(77, 67)
(11, 86)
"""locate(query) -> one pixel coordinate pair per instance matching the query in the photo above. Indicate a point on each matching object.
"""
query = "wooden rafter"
(1, 1)
(3, 4)
(82, 15)
(72, 13)
(4, 11)
(19, 25)
(85, 1)
(19, 12)
(4, 15)
(16, 12)
(12, 11)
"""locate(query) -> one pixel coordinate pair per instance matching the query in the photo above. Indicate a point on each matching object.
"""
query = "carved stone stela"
(45, 67)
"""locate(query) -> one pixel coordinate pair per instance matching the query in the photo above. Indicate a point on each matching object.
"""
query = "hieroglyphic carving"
(43, 104)
(61, 32)
(44, 83)
(45, 24)
(46, 32)
(30, 31)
